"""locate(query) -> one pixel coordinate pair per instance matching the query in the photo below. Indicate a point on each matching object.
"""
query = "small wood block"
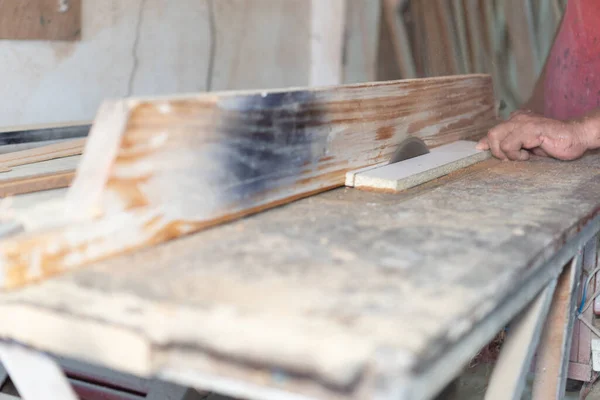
(40, 19)
(415, 171)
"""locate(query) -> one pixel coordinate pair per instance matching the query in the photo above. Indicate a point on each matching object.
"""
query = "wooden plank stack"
(508, 39)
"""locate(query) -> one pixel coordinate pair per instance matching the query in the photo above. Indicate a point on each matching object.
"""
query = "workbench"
(344, 294)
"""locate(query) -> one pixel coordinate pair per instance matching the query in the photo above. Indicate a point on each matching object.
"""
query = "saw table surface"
(346, 294)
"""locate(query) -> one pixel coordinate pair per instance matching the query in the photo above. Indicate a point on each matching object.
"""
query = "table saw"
(344, 293)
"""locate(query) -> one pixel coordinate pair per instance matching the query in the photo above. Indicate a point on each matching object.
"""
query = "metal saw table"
(345, 294)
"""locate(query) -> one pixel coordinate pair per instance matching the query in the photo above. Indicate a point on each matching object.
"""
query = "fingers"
(497, 135)
(538, 151)
(515, 145)
(483, 144)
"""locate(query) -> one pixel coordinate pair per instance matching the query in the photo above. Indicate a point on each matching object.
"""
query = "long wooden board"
(45, 175)
(44, 153)
(155, 169)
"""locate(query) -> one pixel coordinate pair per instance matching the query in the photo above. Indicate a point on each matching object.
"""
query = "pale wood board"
(553, 353)
(399, 39)
(259, 44)
(156, 169)
(510, 371)
(400, 279)
(40, 20)
(361, 46)
(521, 28)
(327, 38)
(53, 151)
(405, 174)
(52, 174)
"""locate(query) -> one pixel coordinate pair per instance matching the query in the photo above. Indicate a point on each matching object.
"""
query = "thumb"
(483, 144)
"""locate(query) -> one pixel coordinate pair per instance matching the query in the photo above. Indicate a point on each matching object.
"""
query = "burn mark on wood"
(279, 139)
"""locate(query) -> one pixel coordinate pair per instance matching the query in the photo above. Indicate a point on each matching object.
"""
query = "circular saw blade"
(410, 148)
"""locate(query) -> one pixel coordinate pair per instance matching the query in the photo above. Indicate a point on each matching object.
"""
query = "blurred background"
(59, 65)
(508, 39)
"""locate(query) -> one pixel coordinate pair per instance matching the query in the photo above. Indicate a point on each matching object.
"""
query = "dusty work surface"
(347, 294)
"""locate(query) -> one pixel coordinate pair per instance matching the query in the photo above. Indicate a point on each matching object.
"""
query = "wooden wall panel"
(40, 19)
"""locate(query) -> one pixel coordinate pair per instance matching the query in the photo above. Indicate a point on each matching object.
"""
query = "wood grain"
(327, 37)
(174, 165)
(44, 153)
(361, 46)
(40, 20)
(47, 181)
(399, 39)
(346, 268)
(46, 175)
(554, 348)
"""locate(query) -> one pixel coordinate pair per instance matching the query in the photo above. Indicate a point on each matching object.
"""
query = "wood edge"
(90, 331)
(35, 127)
(37, 183)
(67, 148)
(233, 93)
(99, 153)
(398, 186)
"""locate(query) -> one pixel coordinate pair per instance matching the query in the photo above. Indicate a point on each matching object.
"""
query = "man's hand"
(525, 133)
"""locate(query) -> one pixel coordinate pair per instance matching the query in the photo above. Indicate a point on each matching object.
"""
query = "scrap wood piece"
(44, 153)
(156, 169)
(415, 171)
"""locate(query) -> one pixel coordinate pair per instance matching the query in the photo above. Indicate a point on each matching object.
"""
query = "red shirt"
(572, 85)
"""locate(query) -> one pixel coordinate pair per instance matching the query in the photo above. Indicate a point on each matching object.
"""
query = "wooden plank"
(475, 36)
(461, 32)
(52, 174)
(44, 153)
(590, 262)
(448, 36)
(345, 268)
(553, 353)
(328, 23)
(177, 165)
(416, 171)
(519, 19)
(249, 53)
(47, 181)
(399, 39)
(436, 60)
(40, 19)
(361, 41)
(510, 371)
